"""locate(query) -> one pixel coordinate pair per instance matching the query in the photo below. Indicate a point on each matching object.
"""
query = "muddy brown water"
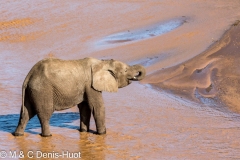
(142, 122)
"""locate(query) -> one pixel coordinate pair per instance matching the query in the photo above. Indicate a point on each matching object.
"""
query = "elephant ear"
(103, 78)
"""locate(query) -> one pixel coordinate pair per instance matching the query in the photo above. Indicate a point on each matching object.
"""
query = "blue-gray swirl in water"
(145, 33)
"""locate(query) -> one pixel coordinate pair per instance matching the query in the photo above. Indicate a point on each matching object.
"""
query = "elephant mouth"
(136, 76)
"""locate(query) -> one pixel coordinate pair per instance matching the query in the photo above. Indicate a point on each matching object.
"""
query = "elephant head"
(109, 75)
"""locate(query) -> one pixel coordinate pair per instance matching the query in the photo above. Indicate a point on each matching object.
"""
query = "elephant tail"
(24, 87)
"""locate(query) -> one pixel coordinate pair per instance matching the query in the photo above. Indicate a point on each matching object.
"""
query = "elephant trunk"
(139, 72)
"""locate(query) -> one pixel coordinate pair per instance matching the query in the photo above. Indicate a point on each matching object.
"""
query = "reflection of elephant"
(54, 84)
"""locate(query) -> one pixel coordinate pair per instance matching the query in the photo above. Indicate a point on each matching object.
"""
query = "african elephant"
(54, 85)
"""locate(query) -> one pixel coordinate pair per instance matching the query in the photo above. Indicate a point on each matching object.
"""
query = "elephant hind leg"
(44, 118)
(85, 115)
(27, 112)
(45, 125)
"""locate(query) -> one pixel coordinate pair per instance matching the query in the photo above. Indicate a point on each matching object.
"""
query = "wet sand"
(212, 77)
(186, 108)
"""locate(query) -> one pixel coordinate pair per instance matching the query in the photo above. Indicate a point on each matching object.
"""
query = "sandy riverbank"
(212, 77)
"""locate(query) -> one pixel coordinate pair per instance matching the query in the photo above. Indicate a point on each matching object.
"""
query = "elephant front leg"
(95, 101)
(85, 115)
(99, 117)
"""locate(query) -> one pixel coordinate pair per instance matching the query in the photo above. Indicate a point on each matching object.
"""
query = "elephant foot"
(101, 133)
(17, 134)
(83, 130)
(46, 135)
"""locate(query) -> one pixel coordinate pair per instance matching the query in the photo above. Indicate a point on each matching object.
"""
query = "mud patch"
(16, 23)
(143, 33)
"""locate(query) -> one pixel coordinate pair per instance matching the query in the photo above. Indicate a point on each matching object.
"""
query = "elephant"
(54, 84)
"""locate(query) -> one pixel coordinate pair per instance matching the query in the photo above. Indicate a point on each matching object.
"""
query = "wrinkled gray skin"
(54, 85)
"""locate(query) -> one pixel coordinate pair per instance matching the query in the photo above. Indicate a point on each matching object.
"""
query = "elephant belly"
(61, 103)
(67, 95)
